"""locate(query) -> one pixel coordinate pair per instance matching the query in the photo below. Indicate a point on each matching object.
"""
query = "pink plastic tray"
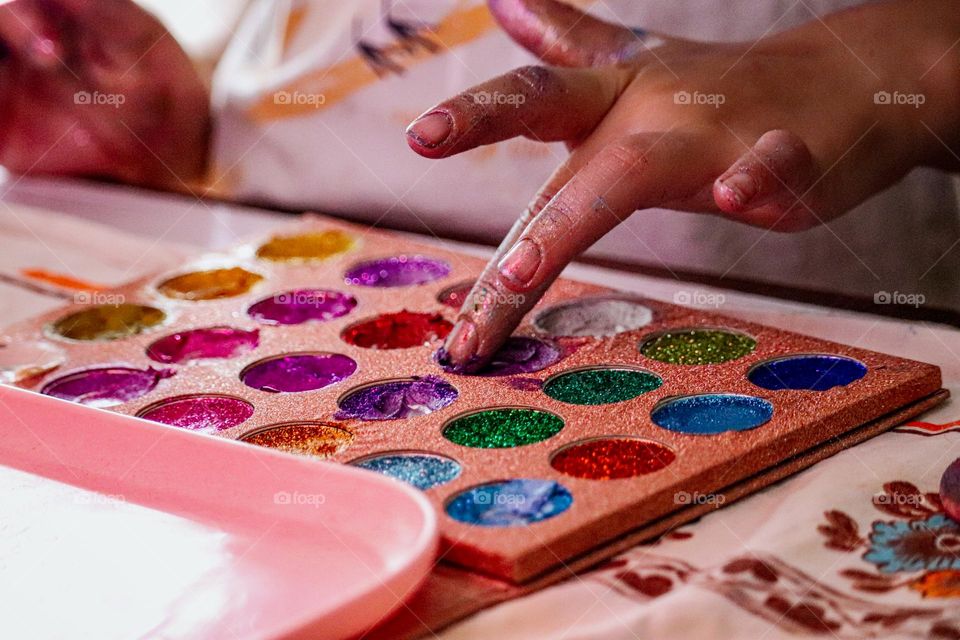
(166, 533)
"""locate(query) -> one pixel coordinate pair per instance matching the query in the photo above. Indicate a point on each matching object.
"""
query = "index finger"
(640, 171)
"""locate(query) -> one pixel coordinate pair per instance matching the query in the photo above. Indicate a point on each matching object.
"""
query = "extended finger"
(541, 103)
(640, 171)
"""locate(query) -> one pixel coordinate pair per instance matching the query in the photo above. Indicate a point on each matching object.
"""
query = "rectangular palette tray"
(602, 511)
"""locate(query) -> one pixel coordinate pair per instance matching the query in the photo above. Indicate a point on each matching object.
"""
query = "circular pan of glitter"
(502, 427)
(400, 330)
(808, 372)
(212, 284)
(306, 247)
(417, 468)
(518, 355)
(107, 322)
(306, 438)
(397, 271)
(295, 372)
(455, 295)
(105, 386)
(600, 385)
(711, 413)
(697, 346)
(611, 458)
(510, 503)
(209, 412)
(302, 305)
(396, 399)
(204, 343)
(597, 317)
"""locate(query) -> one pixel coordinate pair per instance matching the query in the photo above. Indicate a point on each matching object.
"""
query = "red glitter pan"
(594, 468)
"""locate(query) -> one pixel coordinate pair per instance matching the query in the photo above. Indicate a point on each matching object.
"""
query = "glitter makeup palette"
(586, 431)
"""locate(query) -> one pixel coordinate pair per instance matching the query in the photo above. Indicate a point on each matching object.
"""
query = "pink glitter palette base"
(605, 414)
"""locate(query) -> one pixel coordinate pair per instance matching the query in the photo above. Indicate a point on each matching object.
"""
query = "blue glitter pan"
(712, 413)
(422, 470)
(511, 503)
(808, 372)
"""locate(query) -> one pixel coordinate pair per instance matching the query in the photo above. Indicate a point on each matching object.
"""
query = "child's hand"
(785, 133)
(98, 88)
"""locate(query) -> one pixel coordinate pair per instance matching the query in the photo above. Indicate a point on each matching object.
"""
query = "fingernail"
(432, 129)
(521, 263)
(742, 187)
(461, 345)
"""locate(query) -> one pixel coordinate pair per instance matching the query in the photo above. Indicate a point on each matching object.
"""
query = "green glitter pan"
(698, 346)
(502, 428)
(600, 385)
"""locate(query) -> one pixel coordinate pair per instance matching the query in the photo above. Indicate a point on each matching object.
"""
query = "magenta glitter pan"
(551, 454)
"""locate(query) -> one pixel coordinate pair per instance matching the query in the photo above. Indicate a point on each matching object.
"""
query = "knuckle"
(534, 79)
(627, 157)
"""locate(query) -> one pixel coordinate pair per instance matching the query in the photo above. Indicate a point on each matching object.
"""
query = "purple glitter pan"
(302, 305)
(295, 372)
(398, 271)
(197, 344)
(518, 355)
(397, 399)
(106, 386)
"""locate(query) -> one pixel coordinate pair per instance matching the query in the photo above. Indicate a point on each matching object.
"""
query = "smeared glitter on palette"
(514, 503)
(302, 305)
(422, 470)
(198, 344)
(517, 356)
(397, 399)
(108, 322)
(105, 386)
(296, 372)
(306, 246)
(612, 458)
(323, 339)
(212, 284)
(314, 439)
(501, 428)
(399, 330)
(202, 412)
(600, 385)
(698, 346)
(398, 271)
